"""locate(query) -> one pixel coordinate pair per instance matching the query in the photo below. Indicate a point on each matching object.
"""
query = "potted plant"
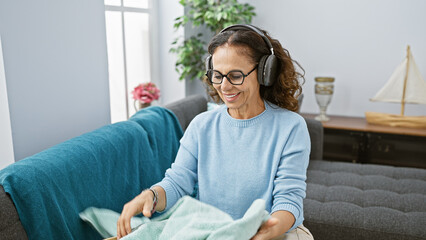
(213, 15)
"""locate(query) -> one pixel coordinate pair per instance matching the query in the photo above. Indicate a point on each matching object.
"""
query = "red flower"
(146, 92)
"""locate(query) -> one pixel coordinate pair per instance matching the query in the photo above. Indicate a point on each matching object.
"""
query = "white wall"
(56, 70)
(171, 88)
(360, 43)
(6, 143)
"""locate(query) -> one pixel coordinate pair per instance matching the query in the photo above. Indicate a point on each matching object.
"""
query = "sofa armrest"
(316, 132)
(186, 109)
(10, 225)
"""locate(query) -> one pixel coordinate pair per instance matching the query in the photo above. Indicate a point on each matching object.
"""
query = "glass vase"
(324, 88)
(139, 105)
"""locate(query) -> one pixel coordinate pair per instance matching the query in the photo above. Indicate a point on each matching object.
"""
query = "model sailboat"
(406, 85)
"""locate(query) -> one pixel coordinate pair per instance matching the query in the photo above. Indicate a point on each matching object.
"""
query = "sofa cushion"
(365, 201)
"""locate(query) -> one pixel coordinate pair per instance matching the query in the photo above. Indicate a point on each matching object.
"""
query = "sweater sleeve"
(289, 183)
(181, 177)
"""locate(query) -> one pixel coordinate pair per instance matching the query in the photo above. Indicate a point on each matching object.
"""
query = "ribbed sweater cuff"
(293, 210)
(171, 194)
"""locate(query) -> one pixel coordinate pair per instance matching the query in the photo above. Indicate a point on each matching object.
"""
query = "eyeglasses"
(235, 77)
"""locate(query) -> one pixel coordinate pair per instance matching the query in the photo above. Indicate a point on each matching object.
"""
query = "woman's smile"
(231, 97)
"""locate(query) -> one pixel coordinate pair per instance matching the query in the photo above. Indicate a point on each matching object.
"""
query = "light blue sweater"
(238, 161)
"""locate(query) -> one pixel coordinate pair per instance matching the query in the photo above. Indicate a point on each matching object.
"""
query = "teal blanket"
(187, 219)
(104, 168)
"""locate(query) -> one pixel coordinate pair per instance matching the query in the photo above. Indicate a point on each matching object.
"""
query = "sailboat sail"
(415, 91)
(406, 85)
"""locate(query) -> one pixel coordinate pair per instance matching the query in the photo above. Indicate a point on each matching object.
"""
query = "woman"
(254, 146)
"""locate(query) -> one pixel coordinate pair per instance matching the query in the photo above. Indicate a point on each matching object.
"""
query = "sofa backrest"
(316, 132)
(187, 108)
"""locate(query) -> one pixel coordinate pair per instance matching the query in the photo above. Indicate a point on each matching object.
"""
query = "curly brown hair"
(286, 89)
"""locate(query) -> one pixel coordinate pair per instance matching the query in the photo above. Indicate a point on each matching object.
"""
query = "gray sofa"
(344, 200)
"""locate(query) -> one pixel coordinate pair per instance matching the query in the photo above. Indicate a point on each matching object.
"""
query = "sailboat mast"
(405, 81)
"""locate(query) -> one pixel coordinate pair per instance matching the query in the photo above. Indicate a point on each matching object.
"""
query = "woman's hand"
(279, 223)
(142, 203)
(268, 230)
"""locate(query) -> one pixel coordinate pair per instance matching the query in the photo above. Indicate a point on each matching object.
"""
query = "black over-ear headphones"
(267, 70)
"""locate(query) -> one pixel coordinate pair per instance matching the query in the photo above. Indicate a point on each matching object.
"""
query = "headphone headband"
(252, 28)
(268, 65)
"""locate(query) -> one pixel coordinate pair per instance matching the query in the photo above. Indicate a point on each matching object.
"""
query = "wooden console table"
(352, 139)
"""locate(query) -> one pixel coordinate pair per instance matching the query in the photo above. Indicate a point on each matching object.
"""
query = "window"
(128, 43)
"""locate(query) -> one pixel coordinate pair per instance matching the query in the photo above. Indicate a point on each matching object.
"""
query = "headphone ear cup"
(209, 63)
(261, 70)
(270, 70)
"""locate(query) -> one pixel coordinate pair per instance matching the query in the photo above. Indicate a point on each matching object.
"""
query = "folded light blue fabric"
(104, 168)
(187, 219)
